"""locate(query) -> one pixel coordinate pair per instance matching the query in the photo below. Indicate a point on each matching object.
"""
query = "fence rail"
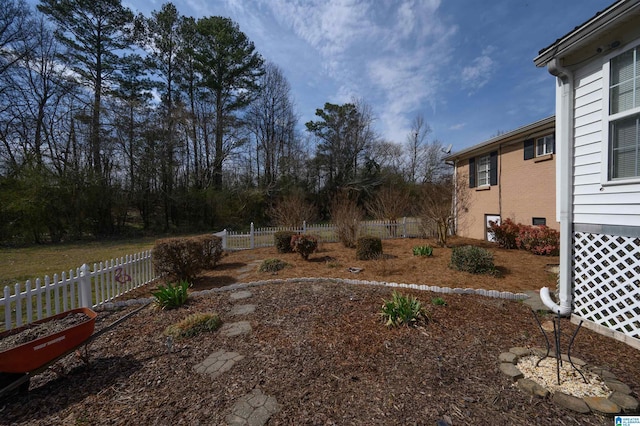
(406, 227)
(80, 288)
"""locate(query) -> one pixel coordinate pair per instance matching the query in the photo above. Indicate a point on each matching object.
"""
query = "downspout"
(564, 178)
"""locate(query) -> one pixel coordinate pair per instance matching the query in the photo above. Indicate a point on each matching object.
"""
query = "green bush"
(304, 245)
(402, 310)
(438, 301)
(475, 260)
(182, 259)
(193, 325)
(171, 296)
(282, 240)
(422, 251)
(272, 265)
(368, 248)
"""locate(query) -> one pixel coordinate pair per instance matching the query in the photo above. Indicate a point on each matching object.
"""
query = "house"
(597, 70)
(509, 176)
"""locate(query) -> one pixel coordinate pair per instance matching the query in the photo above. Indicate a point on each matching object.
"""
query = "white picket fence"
(80, 288)
(406, 227)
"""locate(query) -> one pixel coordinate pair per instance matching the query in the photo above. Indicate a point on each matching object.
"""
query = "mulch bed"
(322, 351)
(35, 331)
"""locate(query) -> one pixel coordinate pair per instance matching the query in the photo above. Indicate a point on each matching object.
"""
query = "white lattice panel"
(607, 281)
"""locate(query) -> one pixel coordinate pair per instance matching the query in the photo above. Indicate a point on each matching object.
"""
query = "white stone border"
(435, 289)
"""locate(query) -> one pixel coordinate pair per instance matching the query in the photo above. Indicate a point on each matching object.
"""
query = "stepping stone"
(243, 309)
(236, 328)
(508, 357)
(253, 409)
(511, 370)
(218, 362)
(238, 295)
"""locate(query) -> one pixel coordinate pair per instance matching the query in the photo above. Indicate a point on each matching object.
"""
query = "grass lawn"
(20, 264)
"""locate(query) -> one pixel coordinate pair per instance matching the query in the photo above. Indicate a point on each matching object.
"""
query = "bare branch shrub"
(389, 203)
(439, 204)
(292, 210)
(346, 216)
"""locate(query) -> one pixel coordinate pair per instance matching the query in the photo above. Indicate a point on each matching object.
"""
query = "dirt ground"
(322, 351)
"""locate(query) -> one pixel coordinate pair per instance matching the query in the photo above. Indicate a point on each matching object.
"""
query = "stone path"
(218, 362)
(255, 408)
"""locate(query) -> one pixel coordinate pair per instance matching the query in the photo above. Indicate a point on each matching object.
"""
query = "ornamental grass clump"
(475, 260)
(272, 265)
(424, 251)
(171, 296)
(402, 310)
(193, 325)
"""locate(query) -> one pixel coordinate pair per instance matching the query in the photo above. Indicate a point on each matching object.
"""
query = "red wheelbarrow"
(19, 363)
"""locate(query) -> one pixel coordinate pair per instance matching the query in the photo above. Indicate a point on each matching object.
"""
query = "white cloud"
(457, 126)
(480, 71)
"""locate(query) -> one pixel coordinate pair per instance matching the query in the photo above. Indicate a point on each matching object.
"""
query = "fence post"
(304, 226)
(252, 237)
(84, 287)
(224, 239)
(404, 227)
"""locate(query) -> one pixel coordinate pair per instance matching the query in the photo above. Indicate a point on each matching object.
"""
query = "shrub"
(540, 240)
(193, 325)
(438, 301)
(472, 259)
(368, 248)
(282, 240)
(346, 216)
(183, 259)
(272, 265)
(422, 251)
(402, 310)
(506, 233)
(171, 296)
(304, 245)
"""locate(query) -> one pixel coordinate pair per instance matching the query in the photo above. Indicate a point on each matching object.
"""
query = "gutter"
(564, 179)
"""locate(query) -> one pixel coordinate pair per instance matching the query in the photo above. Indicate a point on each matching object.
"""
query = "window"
(539, 147)
(545, 145)
(624, 115)
(483, 171)
(539, 221)
(484, 165)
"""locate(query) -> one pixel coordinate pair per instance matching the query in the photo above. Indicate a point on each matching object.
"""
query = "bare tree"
(415, 147)
(440, 204)
(272, 121)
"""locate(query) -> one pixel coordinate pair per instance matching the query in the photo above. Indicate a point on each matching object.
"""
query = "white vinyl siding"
(483, 167)
(595, 200)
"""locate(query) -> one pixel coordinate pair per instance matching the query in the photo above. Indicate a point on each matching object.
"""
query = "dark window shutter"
(472, 172)
(493, 168)
(529, 149)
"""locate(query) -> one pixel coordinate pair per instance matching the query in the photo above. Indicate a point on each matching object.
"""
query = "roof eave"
(512, 136)
(584, 33)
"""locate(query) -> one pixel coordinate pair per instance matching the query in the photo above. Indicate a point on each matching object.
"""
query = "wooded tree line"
(112, 122)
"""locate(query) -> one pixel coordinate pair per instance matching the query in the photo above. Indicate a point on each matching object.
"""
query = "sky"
(465, 65)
